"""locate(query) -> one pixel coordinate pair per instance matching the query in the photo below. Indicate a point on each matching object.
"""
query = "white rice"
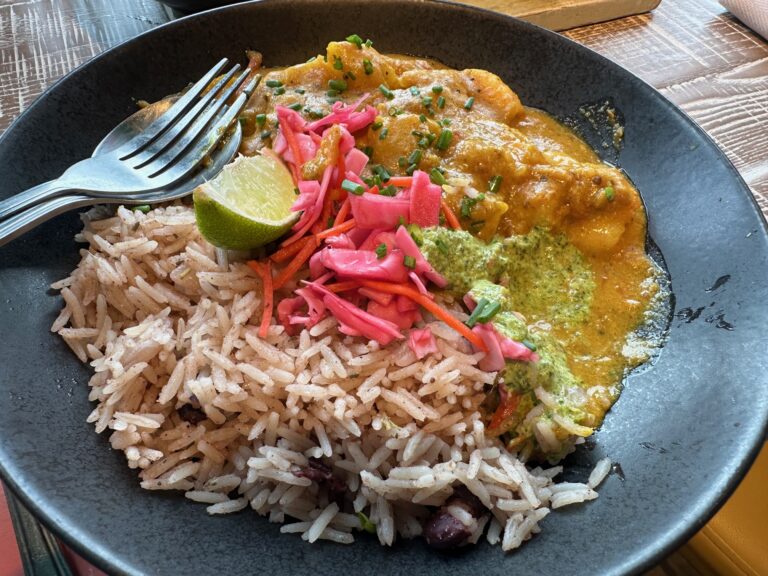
(199, 403)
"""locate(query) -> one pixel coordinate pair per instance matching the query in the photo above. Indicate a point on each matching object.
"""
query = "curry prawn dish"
(447, 309)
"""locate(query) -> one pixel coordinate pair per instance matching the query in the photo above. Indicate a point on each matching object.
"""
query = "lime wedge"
(247, 205)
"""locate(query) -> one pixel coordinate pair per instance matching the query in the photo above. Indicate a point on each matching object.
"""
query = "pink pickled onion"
(354, 321)
(422, 342)
(364, 264)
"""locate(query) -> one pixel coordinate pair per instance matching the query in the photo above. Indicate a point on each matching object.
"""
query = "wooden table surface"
(694, 52)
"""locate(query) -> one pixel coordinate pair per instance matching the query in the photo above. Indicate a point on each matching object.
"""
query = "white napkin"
(753, 13)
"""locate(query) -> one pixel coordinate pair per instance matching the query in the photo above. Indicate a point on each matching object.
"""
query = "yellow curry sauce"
(509, 171)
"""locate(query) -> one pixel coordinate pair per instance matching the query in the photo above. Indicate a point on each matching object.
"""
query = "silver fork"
(169, 149)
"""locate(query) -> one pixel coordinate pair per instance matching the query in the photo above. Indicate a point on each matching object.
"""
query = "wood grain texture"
(41, 40)
(691, 50)
(706, 62)
(564, 14)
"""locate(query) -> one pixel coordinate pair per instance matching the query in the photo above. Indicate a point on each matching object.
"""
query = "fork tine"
(159, 126)
(203, 146)
(188, 122)
(188, 162)
(200, 129)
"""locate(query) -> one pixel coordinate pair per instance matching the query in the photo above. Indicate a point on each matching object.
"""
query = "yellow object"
(247, 205)
(735, 541)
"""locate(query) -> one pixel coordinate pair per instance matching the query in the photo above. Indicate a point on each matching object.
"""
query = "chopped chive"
(422, 118)
(437, 177)
(367, 67)
(468, 104)
(295, 106)
(441, 245)
(356, 40)
(468, 203)
(329, 222)
(437, 88)
(274, 83)
(401, 162)
(353, 187)
(441, 102)
(466, 207)
(381, 251)
(489, 312)
(332, 99)
(332, 93)
(388, 191)
(400, 221)
(445, 122)
(370, 182)
(261, 119)
(337, 63)
(143, 208)
(279, 90)
(367, 150)
(415, 157)
(300, 91)
(382, 172)
(376, 125)
(427, 101)
(444, 140)
(476, 225)
(423, 143)
(368, 43)
(395, 111)
(296, 191)
(415, 231)
(388, 94)
(383, 133)
(409, 262)
(411, 169)
(414, 91)
(530, 345)
(316, 114)
(472, 320)
(494, 184)
(265, 134)
(338, 85)
(609, 193)
(351, 75)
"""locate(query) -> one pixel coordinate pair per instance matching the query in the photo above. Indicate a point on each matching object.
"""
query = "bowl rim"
(649, 555)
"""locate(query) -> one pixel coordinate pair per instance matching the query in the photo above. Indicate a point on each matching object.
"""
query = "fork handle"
(18, 224)
(32, 196)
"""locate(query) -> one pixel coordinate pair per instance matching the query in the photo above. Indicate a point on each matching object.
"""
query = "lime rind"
(247, 205)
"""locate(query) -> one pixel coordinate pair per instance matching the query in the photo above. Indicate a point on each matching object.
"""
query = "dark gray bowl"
(684, 431)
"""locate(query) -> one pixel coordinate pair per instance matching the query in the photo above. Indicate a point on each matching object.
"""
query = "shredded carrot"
(294, 265)
(336, 230)
(450, 217)
(293, 144)
(431, 305)
(287, 252)
(346, 206)
(373, 190)
(325, 215)
(264, 270)
(401, 181)
(343, 286)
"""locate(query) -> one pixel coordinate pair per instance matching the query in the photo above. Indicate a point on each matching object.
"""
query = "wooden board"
(564, 14)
